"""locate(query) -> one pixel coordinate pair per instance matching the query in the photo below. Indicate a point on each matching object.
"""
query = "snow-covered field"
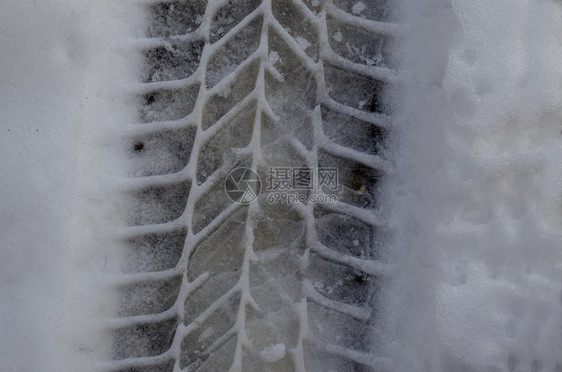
(473, 200)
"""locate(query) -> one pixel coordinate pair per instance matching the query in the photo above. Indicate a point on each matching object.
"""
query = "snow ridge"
(475, 200)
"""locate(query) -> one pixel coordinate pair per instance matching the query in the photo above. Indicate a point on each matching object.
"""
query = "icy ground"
(474, 202)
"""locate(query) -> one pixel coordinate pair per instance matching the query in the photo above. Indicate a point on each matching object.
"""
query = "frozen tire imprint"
(212, 285)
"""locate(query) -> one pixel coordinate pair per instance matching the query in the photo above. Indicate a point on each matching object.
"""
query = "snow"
(474, 202)
(337, 36)
(49, 106)
(273, 353)
(274, 57)
(41, 69)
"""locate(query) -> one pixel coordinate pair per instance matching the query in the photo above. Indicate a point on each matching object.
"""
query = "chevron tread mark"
(210, 285)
